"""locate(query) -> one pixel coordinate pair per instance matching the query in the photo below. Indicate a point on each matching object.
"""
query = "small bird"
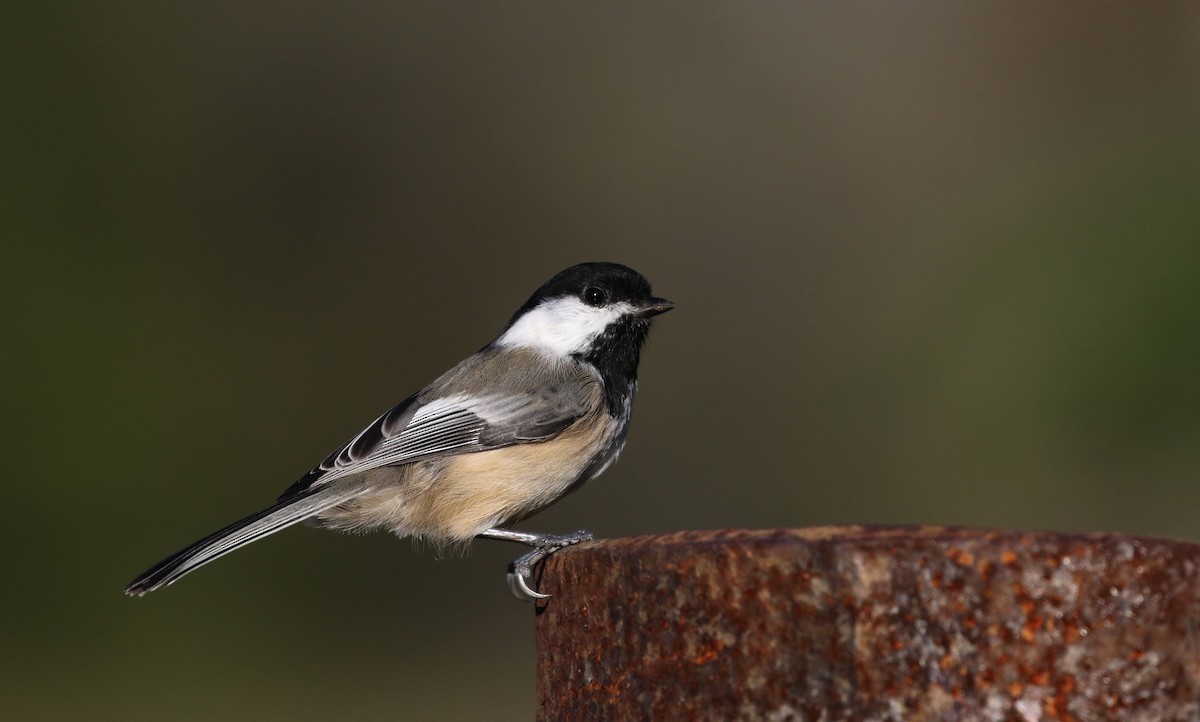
(508, 431)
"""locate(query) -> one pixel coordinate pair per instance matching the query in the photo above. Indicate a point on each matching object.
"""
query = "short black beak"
(653, 306)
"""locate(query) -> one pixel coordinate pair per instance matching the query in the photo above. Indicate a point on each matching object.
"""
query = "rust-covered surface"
(872, 624)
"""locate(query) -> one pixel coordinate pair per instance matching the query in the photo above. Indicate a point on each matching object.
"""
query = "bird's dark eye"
(593, 296)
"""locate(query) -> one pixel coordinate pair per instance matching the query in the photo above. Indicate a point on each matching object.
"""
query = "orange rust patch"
(960, 557)
(709, 653)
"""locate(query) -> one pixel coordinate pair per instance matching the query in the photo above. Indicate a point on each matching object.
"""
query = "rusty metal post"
(861, 623)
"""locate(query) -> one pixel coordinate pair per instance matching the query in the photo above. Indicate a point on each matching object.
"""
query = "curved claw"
(518, 585)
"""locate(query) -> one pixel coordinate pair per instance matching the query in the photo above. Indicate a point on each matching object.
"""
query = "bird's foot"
(520, 571)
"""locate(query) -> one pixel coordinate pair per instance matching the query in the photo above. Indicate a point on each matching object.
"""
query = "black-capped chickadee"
(529, 418)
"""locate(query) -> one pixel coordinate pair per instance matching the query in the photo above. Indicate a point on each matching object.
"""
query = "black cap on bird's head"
(599, 284)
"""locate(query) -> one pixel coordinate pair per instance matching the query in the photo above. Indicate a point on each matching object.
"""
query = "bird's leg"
(520, 571)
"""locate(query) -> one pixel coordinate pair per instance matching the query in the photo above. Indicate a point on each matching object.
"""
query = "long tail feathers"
(238, 534)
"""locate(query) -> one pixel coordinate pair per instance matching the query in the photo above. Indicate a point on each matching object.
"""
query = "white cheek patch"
(562, 327)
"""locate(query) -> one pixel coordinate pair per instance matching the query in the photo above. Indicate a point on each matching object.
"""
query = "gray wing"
(422, 429)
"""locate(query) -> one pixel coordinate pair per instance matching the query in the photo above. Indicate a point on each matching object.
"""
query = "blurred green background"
(935, 263)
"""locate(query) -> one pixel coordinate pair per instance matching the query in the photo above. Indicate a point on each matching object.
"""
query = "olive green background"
(934, 263)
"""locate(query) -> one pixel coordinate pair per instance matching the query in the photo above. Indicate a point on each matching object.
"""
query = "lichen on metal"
(871, 623)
